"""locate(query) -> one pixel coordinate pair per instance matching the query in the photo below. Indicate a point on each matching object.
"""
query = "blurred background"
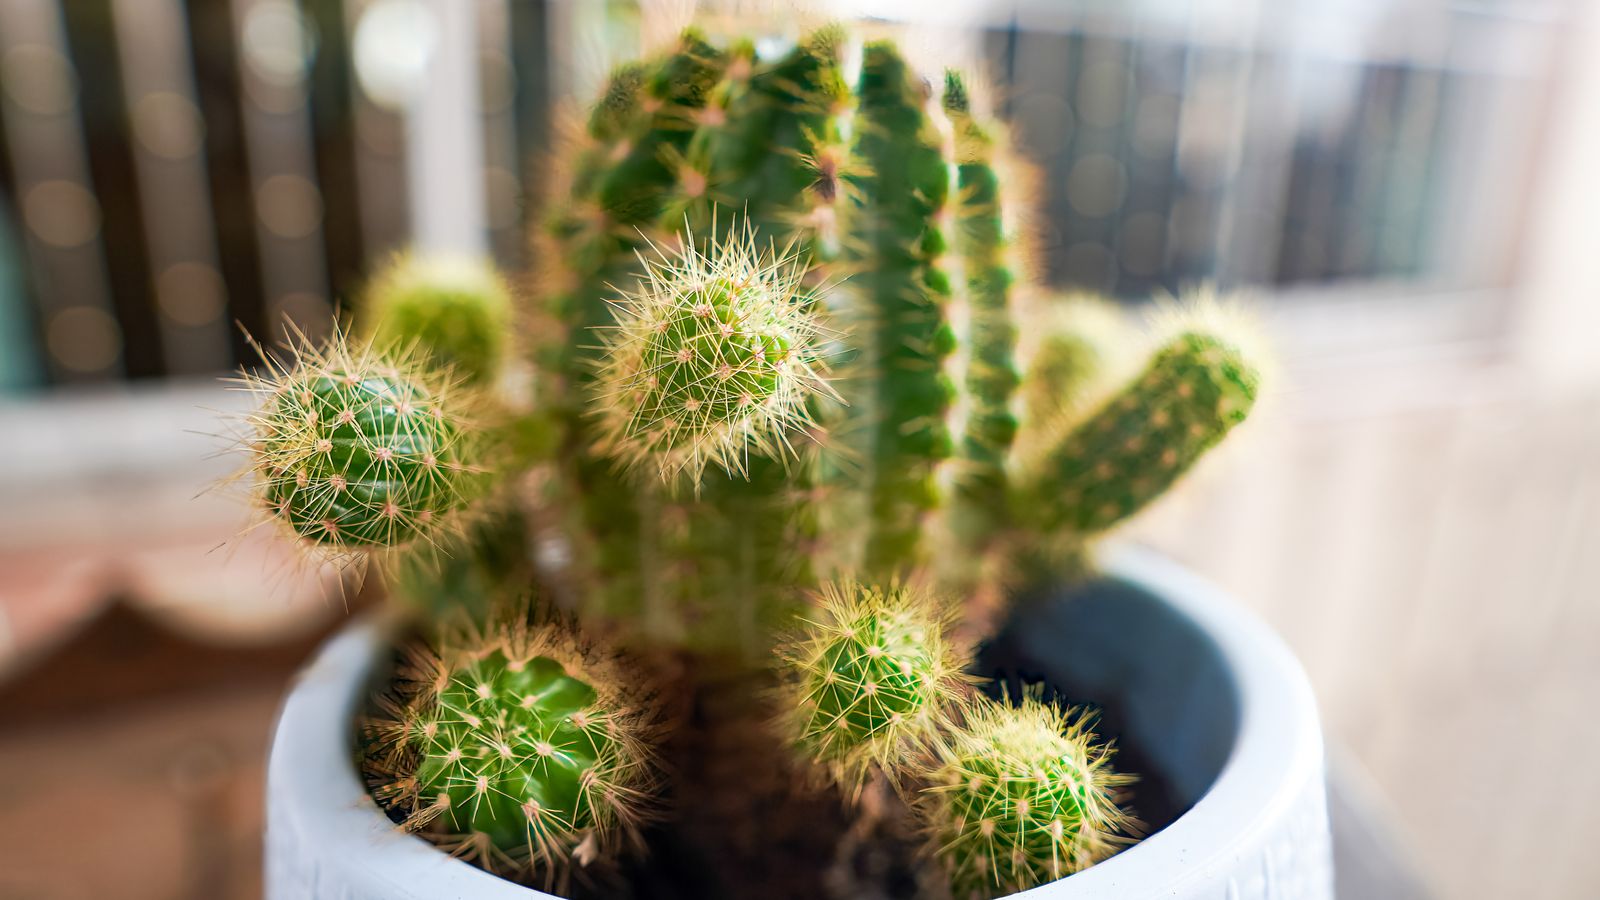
(1405, 187)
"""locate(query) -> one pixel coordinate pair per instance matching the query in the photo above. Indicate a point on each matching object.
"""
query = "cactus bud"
(712, 359)
(867, 678)
(356, 450)
(1021, 797)
(455, 311)
(527, 744)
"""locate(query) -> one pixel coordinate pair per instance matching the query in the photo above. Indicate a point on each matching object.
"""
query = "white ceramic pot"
(1211, 695)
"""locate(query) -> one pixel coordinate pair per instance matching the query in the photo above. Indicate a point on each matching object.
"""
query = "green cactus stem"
(524, 748)
(1196, 388)
(868, 680)
(980, 502)
(1022, 796)
(357, 450)
(455, 311)
(894, 245)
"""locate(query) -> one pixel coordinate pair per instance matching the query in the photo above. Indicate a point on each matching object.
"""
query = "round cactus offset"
(1022, 796)
(525, 752)
(870, 677)
(713, 359)
(358, 451)
(455, 311)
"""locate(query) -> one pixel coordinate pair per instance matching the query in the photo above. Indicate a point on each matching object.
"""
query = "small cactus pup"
(454, 310)
(527, 750)
(713, 358)
(868, 680)
(1021, 796)
(357, 450)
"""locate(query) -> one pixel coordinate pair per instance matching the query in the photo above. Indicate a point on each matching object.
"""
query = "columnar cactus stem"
(1196, 388)
(1022, 796)
(894, 247)
(980, 503)
(357, 450)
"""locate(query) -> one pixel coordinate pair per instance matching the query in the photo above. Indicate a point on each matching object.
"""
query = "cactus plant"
(455, 310)
(524, 748)
(712, 360)
(357, 450)
(872, 676)
(1022, 796)
(846, 441)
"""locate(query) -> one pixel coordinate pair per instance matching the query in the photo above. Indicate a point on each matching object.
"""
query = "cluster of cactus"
(788, 430)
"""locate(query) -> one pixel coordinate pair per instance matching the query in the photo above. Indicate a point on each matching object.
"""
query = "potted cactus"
(781, 583)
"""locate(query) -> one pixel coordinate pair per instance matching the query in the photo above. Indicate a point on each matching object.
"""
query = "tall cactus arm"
(1196, 388)
(894, 247)
(981, 497)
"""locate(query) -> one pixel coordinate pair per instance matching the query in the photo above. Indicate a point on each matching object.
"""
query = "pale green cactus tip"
(357, 451)
(455, 310)
(713, 359)
(1022, 796)
(527, 749)
(869, 679)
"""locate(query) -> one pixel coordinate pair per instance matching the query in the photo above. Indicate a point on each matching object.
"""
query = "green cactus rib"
(1195, 389)
(893, 248)
(981, 495)
(456, 312)
(356, 453)
(1021, 797)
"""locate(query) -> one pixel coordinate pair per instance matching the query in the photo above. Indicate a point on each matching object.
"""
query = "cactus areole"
(784, 443)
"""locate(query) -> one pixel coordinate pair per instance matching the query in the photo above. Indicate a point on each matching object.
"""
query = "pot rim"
(316, 796)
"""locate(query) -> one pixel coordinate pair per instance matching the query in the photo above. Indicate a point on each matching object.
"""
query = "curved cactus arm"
(1194, 390)
(894, 247)
(981, 496)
